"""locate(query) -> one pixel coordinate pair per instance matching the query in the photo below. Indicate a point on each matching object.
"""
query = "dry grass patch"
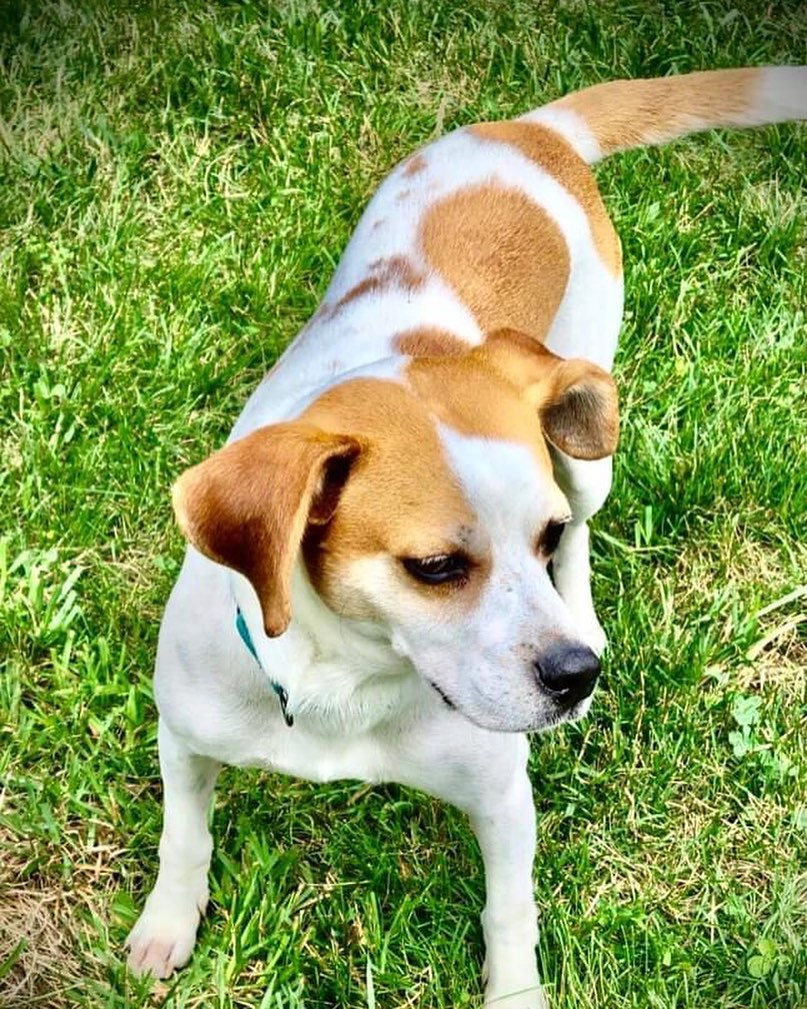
(39, 941)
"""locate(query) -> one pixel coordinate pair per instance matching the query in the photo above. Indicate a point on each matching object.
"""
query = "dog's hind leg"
(586, 485)
(165, 933)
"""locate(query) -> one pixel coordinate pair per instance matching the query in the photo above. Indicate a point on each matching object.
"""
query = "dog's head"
(428, 508)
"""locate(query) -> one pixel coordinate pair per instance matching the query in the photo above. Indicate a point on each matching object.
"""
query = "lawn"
(177, 181)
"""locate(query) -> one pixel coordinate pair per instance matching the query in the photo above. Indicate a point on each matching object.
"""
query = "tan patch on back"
(398, 270)
(554, 155)
(624, 114)
(430, 341)
(502, 253)
(415, 165)
(392, 271)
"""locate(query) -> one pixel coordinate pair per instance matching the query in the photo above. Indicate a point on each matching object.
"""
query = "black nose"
(568, 672)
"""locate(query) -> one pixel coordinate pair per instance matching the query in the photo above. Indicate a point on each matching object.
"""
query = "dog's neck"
(342, 676)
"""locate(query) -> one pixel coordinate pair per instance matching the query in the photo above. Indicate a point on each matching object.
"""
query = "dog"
(368, 592)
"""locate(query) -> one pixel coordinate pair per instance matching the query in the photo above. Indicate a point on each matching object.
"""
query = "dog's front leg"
(586, 484)
(504, 823)
(165, 932)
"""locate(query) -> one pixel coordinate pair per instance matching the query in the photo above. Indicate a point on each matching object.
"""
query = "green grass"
(176, 184)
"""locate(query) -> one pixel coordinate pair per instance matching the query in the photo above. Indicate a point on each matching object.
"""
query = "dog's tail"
(618, 115)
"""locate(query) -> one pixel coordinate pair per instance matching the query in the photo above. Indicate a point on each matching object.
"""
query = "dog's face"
(428, 509)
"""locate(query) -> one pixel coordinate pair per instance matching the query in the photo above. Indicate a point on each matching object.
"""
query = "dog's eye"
(550, 537)
(437, 570)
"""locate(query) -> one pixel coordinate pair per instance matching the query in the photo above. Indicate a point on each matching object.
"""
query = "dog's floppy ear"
(248, 505)
(580, 410)
(576, 400)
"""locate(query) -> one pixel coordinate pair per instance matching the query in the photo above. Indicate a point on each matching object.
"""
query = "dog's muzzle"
(567, 672)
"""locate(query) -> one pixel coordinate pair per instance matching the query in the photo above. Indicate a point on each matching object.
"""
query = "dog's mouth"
(555, 712)
(443, 696)
(573, 712)
(561, 713)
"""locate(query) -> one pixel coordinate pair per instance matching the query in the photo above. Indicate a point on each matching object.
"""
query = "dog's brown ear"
(248, 505)
(579, 410)
(576, 400)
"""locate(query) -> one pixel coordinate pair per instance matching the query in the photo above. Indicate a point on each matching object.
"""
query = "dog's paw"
(163, 936)
(531, 997)
(514, 985)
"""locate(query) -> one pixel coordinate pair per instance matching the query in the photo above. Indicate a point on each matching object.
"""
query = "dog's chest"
(339, 738)
(243, 726)
(321, 758)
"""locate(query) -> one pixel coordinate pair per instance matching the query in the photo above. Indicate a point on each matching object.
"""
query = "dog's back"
(501, 225)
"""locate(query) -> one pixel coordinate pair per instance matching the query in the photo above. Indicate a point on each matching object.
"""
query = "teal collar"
(246, 637)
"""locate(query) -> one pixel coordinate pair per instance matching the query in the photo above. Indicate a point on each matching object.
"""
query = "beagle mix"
(367, 592)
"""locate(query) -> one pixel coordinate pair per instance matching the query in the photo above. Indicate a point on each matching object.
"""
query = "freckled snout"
(567, 672)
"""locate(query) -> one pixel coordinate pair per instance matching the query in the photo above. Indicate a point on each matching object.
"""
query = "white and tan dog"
(366, 594)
